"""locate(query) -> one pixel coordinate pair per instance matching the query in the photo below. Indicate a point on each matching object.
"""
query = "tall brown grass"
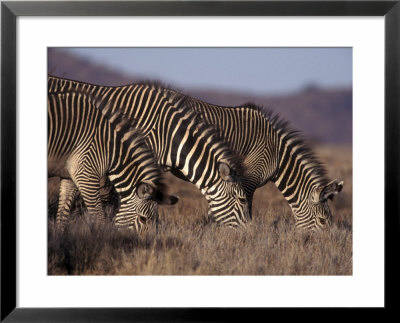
(185, 242)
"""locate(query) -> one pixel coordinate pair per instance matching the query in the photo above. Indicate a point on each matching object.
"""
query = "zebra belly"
(57, 167)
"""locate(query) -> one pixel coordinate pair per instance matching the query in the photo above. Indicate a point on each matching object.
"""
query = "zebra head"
(227, 200)
(142, 207)
(314, 212)
(138, 181)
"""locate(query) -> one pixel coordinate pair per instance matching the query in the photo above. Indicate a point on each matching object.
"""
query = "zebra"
(83, 147)
(272, 151)
(182, 142)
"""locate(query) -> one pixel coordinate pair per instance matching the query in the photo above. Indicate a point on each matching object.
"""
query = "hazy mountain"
(323, 115)
(63, 64)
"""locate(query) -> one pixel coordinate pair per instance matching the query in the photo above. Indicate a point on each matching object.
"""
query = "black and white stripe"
(181, 141)
(83, 147)
(273, 152)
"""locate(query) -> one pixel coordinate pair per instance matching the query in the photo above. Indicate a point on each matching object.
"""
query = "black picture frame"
(10, 10)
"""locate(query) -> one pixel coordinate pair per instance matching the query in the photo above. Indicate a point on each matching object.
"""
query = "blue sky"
(252, 70)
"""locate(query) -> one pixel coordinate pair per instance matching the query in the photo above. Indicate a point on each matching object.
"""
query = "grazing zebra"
(274, 152)
(181, 141)
(83, 147)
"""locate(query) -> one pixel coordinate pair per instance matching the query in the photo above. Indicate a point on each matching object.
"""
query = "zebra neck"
(198, 172)
(132, 160)
(181, 142)
(297, 172)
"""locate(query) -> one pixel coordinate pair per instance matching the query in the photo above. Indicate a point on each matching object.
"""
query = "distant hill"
(63, 64)
(322, 115)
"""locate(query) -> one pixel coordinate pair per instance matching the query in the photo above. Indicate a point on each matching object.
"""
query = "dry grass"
(186, 243)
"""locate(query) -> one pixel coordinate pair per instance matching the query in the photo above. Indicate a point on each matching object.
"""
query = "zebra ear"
(224, 171)
(144, 190)
(330, 190)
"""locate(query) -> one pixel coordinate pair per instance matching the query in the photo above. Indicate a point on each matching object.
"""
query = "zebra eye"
(242, 200)
(144, 191)
(143, 219)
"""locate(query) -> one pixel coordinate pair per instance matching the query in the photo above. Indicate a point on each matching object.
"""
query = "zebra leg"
(249, 197)
(249, 189)
(90, 191)
(66, 196)
(87, 180)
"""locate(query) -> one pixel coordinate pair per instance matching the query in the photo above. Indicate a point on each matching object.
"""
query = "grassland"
(185, 242)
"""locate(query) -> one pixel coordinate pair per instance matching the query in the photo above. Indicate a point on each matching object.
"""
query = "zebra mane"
(286, 132)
